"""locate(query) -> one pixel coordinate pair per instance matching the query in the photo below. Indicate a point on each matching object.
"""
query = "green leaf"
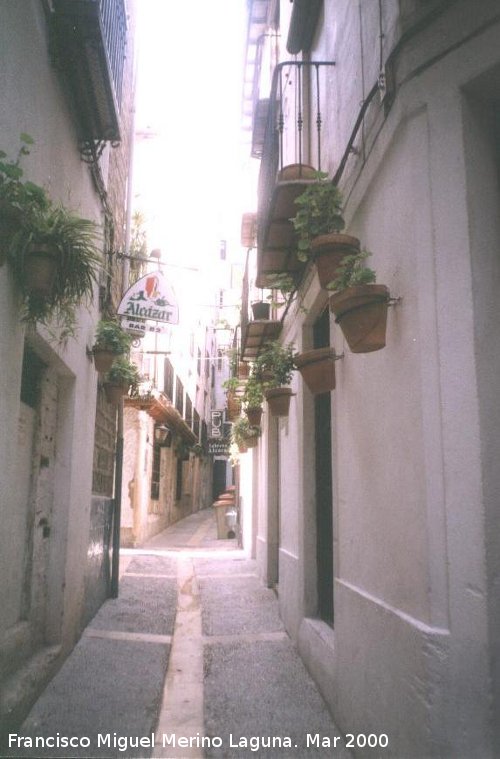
(26, 138)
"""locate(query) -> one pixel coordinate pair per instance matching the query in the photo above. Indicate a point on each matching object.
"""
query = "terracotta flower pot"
(278, 399)
(254, 415)
(361, 312)
(233, 406)
(243, 369)
(261, 310)
(328, 252)
(103, 359)
(40, 269)
(242, 447)
(115, 392)
(317, 368)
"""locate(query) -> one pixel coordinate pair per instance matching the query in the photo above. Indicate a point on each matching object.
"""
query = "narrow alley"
(191, 660)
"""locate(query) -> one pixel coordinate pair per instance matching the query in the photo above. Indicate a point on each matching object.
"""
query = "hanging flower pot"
(111, 341)
(233, 406)
(252, 442)
(243, 369)
(361, 312)
(328, 251)
(278, 399)
(103, 359)
(254, 415)
(242, 447)
(261, 310)
(317, 368)
(114, 392)
(40, 269)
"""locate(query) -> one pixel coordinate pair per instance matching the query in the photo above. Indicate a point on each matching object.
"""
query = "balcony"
(88, 39)
(292, 154)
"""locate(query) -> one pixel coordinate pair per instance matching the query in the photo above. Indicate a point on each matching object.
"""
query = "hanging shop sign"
(218, 447)
(216, 429)
(140, 327)
(150, 299)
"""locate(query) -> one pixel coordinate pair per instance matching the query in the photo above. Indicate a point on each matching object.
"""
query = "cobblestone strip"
(181, 714)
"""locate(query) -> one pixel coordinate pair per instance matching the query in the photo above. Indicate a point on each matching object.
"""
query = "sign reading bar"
(150, 298)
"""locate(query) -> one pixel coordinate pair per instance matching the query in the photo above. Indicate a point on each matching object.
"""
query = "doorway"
(323, 474)
(219, 478)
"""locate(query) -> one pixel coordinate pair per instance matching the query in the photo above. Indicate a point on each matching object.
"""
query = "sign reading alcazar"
(150, 299)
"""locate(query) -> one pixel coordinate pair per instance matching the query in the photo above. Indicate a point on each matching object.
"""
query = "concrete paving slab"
(145, 604)
(106, 689)
(206, 566)
(236, 604)
(262, 692)
(153, 565)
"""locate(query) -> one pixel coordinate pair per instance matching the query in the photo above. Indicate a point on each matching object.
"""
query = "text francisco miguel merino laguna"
(126, 742)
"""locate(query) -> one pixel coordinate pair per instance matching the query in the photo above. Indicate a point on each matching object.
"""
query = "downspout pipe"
(117, 504)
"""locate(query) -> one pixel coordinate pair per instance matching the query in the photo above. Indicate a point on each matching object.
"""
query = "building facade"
(58, 432)
(376, 504)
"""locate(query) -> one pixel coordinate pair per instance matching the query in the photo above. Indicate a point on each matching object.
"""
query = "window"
(223, 246)
(179, 396)
(219, 360)
(207, 364)
(178, 481)
(168, 379)
(155, 474)
(189, 411)
(198, 366)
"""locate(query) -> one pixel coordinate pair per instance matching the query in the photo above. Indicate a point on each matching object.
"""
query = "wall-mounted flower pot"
(115, 392)
(40, 269)
(254, 415)
(242, 447)
(328, 252)
(261, 310)
(103, 359)
(317, 368)
(243, 369)
(278, 399)
(361, 312)
(233, 406)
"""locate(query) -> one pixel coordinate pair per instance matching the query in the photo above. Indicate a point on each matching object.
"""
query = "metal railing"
(294, 127)
(114, 25)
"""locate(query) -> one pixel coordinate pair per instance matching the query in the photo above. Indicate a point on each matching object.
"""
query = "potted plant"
(252, 436)
(17, 196)
(122, 376)
(243, 434)
(111, 341)
(231, 386)
(252, 400)
(274, 367)
(360, 305)
(317, 368)
(318, 224)
(53, 253)
(261, 309)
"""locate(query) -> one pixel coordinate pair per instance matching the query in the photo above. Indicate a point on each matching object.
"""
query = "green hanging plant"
(319, 213)
(352, 271)
(54, 253)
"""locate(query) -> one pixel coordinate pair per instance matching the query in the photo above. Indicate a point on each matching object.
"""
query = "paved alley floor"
(191, 660)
